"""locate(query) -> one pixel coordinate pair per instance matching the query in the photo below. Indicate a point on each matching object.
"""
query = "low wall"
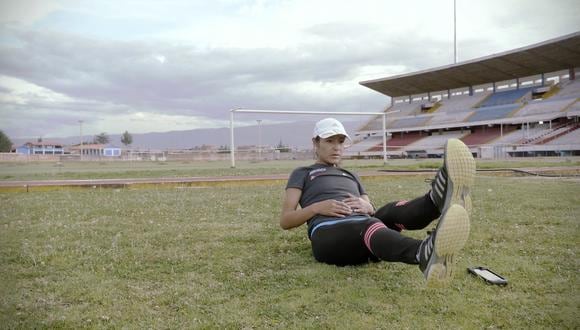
(239, 155)
(14, 157)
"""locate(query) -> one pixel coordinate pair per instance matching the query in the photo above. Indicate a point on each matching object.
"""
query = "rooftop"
(549, 56)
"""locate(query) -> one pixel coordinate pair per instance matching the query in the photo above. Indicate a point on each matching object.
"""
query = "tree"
(102, 138)
(126, 138)
(5, 143)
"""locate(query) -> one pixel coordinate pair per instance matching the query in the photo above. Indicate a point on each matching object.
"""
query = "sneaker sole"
(451, 237)
(461, 174)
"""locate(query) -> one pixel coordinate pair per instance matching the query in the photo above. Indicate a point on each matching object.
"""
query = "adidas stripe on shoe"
(453, 181)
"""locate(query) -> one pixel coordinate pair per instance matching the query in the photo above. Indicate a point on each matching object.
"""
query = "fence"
(504, 151)
(265, 154)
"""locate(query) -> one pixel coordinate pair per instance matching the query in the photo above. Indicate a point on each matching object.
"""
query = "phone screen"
(488, 275)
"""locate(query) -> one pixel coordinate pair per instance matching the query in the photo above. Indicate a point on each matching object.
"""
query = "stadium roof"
(549, 56)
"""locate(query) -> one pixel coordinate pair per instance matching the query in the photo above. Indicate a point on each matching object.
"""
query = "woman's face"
(329, 150)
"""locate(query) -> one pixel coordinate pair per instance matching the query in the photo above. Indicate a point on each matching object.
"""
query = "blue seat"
(507, 97)
(491, 113)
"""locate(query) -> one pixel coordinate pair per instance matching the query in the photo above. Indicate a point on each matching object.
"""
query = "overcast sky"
(153, 66)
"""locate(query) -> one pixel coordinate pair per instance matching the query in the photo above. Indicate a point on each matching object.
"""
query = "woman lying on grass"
(345, 229)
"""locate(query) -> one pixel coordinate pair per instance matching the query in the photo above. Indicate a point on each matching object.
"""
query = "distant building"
(40, 148)
(96, 150)
(111, 151)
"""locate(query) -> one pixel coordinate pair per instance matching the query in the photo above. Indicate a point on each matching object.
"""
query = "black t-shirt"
(320, 182)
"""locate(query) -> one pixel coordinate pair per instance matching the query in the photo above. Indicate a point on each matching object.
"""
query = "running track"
(216, 180)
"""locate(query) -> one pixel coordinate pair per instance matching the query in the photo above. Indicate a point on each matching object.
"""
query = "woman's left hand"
(359, 205)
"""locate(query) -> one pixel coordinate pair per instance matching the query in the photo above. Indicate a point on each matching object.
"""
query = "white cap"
(329, 127)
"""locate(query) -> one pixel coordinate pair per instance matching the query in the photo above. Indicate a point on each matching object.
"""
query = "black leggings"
(377, 238)
(412, 215)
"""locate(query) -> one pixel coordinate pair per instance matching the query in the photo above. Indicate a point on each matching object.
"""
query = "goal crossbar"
(233, 111)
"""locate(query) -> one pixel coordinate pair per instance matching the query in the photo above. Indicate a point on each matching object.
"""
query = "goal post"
(317, 113)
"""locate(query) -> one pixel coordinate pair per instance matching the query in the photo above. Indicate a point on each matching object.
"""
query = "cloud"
(25, 11)
(119, 63)
(189, 79)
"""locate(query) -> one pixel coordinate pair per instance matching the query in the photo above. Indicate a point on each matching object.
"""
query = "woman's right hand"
(332, 208)
(293, 217)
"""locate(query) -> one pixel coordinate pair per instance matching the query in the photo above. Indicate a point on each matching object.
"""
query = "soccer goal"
(314, 113)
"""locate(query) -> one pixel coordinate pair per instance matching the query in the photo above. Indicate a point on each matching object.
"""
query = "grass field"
(215, 257)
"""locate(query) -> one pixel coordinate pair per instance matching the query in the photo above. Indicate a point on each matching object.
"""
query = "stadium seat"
(491, 113)
(505, 97)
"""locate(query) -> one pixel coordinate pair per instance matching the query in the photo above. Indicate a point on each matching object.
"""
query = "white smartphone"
(487, 275)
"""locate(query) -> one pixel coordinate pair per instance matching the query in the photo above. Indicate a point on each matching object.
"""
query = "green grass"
(144, 169)
(215, 258)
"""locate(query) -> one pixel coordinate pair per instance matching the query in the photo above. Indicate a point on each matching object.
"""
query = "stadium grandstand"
(522, 102)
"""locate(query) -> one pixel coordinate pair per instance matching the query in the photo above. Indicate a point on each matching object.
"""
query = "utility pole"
(259, 139)
(81, 137)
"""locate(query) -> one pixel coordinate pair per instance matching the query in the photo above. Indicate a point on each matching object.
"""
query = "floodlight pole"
(454, 31)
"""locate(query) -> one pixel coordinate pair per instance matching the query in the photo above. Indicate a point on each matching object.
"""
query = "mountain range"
(295, 134)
